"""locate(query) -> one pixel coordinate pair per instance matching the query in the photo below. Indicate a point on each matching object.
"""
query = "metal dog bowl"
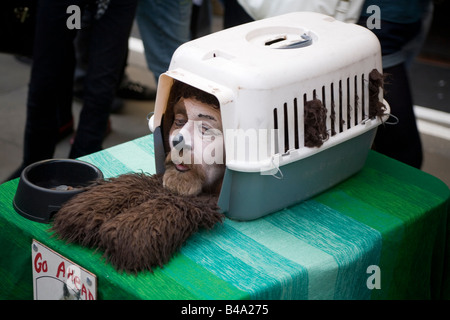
(46, 185)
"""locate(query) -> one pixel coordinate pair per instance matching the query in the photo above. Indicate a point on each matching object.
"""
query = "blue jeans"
(51, 82)
(164, 25)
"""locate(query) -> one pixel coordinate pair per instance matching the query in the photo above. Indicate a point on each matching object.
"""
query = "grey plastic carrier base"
(248, 196)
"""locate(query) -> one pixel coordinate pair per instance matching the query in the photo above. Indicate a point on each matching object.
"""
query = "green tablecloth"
(389, 215)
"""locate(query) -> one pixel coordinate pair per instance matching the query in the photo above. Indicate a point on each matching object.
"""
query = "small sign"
(57, 278)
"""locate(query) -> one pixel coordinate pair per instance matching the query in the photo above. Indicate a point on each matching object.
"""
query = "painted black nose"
(177, 140)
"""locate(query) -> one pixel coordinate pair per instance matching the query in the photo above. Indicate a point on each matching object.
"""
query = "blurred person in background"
(163, 26)
(401, 30)
(51, 83)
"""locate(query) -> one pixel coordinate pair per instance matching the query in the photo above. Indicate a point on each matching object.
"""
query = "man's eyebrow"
(207, 116)
(179, 107)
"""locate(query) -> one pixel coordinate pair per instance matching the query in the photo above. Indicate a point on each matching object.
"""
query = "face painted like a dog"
(195, 162)
(143, 224)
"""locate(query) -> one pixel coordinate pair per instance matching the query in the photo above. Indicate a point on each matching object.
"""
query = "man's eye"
(205, 130)
(179, 122)
(209, 131)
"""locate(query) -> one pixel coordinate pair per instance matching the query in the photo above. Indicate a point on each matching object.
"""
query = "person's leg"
(107, 51)
(81, 43)
(400, 141)
(234, 14)
(201, 19)
(51, 80)
(164, 25)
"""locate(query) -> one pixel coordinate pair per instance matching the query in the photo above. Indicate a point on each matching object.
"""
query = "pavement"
(430, 83)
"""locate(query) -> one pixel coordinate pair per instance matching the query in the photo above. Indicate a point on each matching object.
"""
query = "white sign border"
(69, 281)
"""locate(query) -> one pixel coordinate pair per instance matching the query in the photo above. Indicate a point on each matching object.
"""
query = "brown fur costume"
(376, 82)
(134, 220)
(315, 112)
(315, 123)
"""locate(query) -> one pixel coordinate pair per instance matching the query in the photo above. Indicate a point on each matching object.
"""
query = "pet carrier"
(298, 99)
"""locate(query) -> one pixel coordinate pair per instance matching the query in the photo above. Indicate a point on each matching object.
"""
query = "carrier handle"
(307, 41)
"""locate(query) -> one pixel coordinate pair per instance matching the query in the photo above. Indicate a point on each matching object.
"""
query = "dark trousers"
(400, 141)
(51, 82)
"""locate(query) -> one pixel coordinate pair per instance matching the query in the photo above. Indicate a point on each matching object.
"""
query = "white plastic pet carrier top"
(269, 76)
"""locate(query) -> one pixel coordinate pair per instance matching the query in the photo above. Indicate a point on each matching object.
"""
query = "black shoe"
(24, 59)
(135, 91)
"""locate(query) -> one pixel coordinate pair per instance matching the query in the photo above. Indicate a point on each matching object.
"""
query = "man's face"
(196, 160)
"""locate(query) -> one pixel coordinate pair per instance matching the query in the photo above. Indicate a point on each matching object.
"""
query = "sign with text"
(57, 278)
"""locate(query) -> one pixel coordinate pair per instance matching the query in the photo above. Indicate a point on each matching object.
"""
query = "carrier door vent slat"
(344, 103)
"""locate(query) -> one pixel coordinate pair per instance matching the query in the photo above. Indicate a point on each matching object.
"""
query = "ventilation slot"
(364, 98)
(275, 126)
(328, 111)
(275, 40)
(296, 128)
(286, 128)
(286, 122)
(333, 110)
(347, 103)
(342, 116)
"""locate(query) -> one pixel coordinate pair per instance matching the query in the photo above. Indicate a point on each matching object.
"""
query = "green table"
(382, 234)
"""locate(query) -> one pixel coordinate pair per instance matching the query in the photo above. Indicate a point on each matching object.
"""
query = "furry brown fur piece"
(134, 220)
(80, 218)
(315, 123)
(147, 235)
(376, 82)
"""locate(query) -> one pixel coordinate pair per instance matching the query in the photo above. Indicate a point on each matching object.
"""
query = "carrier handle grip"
(307, 41)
